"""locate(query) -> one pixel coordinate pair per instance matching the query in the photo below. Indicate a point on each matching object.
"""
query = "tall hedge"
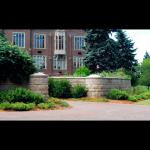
(15, 64)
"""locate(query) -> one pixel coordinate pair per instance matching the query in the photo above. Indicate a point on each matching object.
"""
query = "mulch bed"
(120, 102)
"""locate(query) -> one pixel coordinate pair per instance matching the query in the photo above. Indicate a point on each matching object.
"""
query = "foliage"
(132, 98)
(18, 106)
(59, 88)
(15, 64)
(100, 50)
(119, 73)
(46, 105)
(126, 51)
(117, 94)
(145, 73)
(137, 90)
(79, 91)
(147, 55)
(81, 72)
(90, 99)
(19, 94)
(51, 84)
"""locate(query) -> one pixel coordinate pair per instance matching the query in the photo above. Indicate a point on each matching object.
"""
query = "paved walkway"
(85, 111)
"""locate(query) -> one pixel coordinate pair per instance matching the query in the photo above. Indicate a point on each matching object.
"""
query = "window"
(39, 61)
(39, 40)
(59, 40)
(18, 38)
(59, 62)
(77, 62)
(79, 42)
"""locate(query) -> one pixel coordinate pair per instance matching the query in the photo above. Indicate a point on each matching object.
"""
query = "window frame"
(45, 60)
(78, 36)
(57, 42)
(65, 61)
(24, 39)
(78, 60)
(34, 45)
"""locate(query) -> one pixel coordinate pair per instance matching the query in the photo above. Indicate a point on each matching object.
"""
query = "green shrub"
(58, 102)
(79, 91)
(51, 84)
(117, 94)
(132, 98)
(63, 103)
(137, 90)
(145, 95)
(21, 95)
(119, 73)
(46, 105)
(15, 64)
(59, 88)
(18, 106)
(81, 72)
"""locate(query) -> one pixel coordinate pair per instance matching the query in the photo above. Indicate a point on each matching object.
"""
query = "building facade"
(55, 52)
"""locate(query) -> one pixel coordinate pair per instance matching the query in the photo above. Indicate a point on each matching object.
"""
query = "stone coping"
(87, 77)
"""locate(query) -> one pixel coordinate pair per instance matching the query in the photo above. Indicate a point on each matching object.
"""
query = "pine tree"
(146, 56)
(100, 50)
(126, 51)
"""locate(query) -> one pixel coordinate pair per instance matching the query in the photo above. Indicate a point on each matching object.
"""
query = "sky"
(141, 39)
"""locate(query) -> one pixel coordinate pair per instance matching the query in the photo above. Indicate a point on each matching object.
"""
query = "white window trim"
(45, 44)
(57, 33)
(78, 37)
(45, 60)
(24, 39)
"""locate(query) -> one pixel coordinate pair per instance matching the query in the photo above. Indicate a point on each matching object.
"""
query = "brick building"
(54, 52)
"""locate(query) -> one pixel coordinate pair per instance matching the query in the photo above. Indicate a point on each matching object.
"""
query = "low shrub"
(79, 91)
(133, 98)
(58, 102)
(145, 95)
(18, 106)
(51, 84)
(46, 105)
(137, 90)
(119, 73)
(117, 94)
(59, 88)
(81, 72)
(19, 94)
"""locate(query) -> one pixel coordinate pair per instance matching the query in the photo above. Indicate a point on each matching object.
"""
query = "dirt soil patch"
(121, 102)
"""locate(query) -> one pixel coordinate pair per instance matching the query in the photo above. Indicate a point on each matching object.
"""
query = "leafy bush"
(145, 95)
(15, 64)
(58, 102)
(117, 94)
(21, 95)
(79, 91)
(119, 73)
(59, 88)
(81, 72)
(137, 90)
(18, 106)
(51, 84)
(132, 98)
(46, 105)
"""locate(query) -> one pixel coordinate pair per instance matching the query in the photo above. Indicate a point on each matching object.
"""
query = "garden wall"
(98, 86)
(38, 82)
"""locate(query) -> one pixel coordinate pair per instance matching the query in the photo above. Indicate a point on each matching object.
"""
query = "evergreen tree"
(126, 52)
(146, 56)
(100, 50)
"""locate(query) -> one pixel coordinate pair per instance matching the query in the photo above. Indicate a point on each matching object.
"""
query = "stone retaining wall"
(98, 86)
(38, 83)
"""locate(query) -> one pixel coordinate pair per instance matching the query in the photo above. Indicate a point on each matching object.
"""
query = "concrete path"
(84, 111)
